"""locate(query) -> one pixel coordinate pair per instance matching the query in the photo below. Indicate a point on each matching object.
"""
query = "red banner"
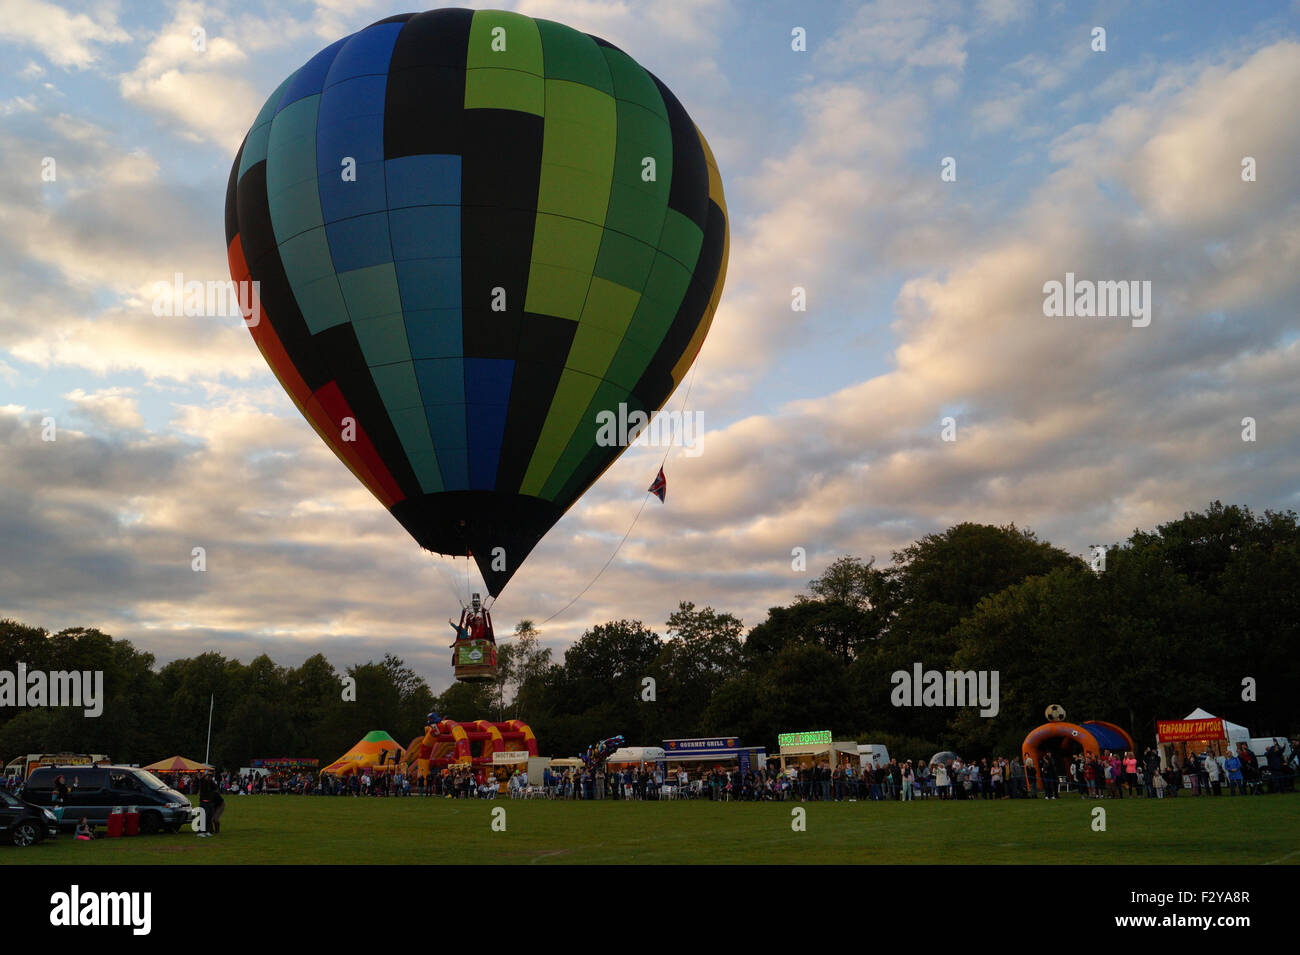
(1186, 731)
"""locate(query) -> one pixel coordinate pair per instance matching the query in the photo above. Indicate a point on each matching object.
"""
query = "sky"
(1170, 156)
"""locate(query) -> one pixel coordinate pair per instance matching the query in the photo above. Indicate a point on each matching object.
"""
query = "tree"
(806, 688)
(702, 652)
(1202, 611)
(942, 577)
(528, 662)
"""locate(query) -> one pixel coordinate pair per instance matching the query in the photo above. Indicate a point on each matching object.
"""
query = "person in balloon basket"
(461, 633)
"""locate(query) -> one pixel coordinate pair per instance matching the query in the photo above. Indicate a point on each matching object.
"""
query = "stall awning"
(636, 754)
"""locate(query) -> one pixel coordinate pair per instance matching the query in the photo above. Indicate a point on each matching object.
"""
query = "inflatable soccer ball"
(1055, 713)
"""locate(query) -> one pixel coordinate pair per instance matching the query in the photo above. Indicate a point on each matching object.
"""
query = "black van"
(93, 792)
(22, 824)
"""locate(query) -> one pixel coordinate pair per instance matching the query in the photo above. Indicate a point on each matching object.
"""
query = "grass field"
(325, 830)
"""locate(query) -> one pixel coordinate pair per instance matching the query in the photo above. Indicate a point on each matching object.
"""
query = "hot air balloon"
(472, 232)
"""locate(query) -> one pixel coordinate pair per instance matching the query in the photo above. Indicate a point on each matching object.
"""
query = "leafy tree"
(1181, 616)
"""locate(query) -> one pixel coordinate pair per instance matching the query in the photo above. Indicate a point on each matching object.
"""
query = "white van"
(873, 755)
(1260, 744)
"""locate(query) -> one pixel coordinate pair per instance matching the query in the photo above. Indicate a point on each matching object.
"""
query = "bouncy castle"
(374, 751)
(449, 743)
(1063, 740)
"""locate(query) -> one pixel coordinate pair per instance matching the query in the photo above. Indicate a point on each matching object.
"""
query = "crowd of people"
(1111, 775)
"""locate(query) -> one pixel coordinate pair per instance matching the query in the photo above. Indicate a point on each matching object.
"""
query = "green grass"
(325, 830)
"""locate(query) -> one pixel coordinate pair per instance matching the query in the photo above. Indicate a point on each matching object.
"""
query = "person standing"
(211, 803)
(941, 780)
(1151, 771)
(1130, 773)
(1214, 774)
(1275, 772)
(1192, 770)
(1017, 779)
(1235, 782)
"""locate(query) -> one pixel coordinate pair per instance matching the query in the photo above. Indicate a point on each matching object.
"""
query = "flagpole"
(212, 702)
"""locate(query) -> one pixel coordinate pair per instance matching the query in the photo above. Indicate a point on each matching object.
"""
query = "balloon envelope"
(477, 239)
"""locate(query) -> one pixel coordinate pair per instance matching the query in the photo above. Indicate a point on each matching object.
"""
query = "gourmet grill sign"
(815, 738)
(692, 745)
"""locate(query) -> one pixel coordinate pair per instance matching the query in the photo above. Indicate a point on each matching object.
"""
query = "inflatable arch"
(1063, 740)
(449, 743)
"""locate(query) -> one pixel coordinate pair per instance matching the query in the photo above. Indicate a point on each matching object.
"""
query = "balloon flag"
(473, 232)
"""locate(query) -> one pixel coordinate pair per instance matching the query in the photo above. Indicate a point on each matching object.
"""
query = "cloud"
(1001, 12)
(204, 94)
(66, 39)
(111, 408)
(902, 33)
(204, 105)
(17, 104)
(1082, 428)
(1079, 428)
(1189, 172)
(82, 257)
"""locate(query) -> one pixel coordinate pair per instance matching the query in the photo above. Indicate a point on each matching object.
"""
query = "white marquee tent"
(1236, 734)
(636, 754)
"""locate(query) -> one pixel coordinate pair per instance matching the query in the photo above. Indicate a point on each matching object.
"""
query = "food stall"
(1197, 732)
(815, 746)
(638, 756)
(702, 754)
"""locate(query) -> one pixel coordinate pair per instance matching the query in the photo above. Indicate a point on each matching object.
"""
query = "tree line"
(1202, 611)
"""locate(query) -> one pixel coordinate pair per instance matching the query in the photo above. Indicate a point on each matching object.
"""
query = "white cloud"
(1001, 12)
(1189, 172)
(1081, 429)
(204, 93)
(108, 407)
(17, 104)
(917, 33)
(66, 39)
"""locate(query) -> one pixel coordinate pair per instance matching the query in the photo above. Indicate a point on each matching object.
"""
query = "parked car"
(94, 792)
(24, 824)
